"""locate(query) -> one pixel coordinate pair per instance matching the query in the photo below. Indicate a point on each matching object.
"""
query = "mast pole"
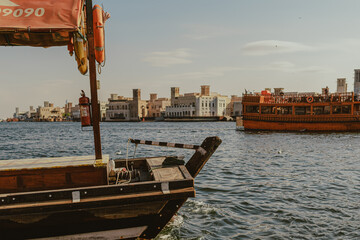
(92, 76)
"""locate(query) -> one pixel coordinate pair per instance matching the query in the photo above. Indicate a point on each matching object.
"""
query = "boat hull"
(301, 126)
(142, 210)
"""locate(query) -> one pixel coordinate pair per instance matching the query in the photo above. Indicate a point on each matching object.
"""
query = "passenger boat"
(87, 196)
(300, 112)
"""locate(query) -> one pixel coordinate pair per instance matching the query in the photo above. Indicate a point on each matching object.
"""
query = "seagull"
(118, 153)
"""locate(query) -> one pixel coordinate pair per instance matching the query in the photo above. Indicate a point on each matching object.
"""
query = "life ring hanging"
(310, 99)
(99, 34)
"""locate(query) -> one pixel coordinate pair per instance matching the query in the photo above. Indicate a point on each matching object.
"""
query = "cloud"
(165, 59)
(266, 47)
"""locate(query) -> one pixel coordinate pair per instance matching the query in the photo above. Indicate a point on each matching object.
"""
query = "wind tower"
(341, 85)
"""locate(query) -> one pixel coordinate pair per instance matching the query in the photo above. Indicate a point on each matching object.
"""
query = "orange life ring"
(310, 99)
(99, 40)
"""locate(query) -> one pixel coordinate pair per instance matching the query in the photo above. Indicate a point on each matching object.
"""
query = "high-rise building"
(357, 81)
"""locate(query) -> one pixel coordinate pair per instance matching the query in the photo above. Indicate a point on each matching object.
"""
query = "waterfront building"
(157, 106)
(121, 108)
(75, 113)
(103, 107)
(118, 108)
(25, 116)
(138, 107)
(50, 113)
(203, 104)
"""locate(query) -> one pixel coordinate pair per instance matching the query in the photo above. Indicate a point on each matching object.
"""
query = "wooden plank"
(167, 174)
(202, 155)
(36, 163)
(26, 180)
(185, 172)
(155, 162)
(7, 183)
(163, 218)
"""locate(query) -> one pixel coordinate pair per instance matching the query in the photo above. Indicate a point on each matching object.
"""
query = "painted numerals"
(19, 12)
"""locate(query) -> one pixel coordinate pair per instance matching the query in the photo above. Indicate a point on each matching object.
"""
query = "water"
(256, 186)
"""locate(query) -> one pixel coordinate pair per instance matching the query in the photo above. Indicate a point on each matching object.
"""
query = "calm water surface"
(256, 186)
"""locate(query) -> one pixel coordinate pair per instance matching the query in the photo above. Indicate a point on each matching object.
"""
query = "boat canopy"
(39, 23)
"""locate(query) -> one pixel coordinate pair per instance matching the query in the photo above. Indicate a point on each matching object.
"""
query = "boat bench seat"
(169, 173)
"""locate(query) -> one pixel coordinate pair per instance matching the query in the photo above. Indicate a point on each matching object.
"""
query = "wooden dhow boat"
(79, 197)
(300, 112)
(87, 196)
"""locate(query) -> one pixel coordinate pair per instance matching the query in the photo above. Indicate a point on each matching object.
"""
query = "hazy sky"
(229, 44)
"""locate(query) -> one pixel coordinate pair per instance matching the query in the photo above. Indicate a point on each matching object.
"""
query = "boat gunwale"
(93, 203)
(7, 199)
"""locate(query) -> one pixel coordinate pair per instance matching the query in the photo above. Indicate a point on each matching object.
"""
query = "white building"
(204, 104)
(118, 108)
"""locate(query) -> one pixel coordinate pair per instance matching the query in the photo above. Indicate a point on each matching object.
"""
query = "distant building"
(25, 116)
(75, 113)
(68, 108)
(235, 106)
(138, 107)
(341, 85)
(157, 106)
(357, 81)
(49, 112)
(120, 108)
(203, 104)
(103, 107)
(277, 91)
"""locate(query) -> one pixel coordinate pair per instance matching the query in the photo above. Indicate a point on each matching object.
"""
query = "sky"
(230, 45)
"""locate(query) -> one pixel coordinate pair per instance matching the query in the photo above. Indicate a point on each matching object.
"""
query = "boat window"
(346, 109)
(336, 110)
(321, 110)
(357, 108)
(302, 110)
(284, 110)
(252, 109)
(267, 110)
(327, 110)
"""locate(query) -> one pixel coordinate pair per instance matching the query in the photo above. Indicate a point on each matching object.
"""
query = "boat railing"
(301, 98)
(304, 118)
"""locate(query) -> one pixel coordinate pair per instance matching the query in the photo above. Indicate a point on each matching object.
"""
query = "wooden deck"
(56, 162)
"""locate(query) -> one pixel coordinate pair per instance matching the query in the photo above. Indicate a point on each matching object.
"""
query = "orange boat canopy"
(39, 23)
